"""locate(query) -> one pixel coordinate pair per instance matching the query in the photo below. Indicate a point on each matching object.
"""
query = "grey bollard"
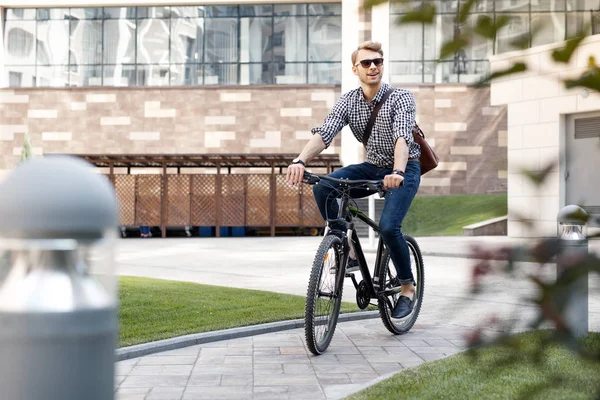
(572, 223)
(58, 296)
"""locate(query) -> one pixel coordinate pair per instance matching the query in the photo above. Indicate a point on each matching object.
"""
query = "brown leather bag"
(428, 160)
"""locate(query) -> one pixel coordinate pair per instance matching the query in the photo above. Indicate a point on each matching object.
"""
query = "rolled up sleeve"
(404, 117)
(334, 121)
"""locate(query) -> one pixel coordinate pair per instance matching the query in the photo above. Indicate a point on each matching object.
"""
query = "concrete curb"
(144, 349)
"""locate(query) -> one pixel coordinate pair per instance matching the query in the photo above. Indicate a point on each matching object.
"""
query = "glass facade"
(414, 47)
(178, 46)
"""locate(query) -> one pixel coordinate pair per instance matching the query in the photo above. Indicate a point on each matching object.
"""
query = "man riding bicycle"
(388, 158)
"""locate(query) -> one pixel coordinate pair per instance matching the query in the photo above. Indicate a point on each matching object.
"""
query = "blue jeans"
(397, 203)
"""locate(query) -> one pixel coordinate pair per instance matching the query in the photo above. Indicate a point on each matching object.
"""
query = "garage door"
(582, 173)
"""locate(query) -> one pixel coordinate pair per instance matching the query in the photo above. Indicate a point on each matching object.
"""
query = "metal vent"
(586, 128)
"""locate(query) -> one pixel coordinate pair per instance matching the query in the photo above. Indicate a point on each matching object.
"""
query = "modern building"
(193, 109)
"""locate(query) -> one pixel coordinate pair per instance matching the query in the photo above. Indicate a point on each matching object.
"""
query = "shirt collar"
(384, 88)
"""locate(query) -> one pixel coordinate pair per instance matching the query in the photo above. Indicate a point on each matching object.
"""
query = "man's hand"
(392, 181)
(295, 173)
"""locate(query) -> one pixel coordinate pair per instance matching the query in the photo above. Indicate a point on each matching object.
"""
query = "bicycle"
(382, 286)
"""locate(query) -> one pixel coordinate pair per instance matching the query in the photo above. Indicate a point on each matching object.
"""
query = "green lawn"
(446, 215)
(462, 377)
(152, 309)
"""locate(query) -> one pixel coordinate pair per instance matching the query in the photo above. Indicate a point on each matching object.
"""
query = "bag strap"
(365, 138)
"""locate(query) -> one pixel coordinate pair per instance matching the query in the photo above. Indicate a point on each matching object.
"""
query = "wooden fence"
(241, 200)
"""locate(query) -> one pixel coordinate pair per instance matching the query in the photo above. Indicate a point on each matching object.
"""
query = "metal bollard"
(58, 297)
(573, 239)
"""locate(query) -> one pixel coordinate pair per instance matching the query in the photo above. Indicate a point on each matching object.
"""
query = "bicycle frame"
(373, 285)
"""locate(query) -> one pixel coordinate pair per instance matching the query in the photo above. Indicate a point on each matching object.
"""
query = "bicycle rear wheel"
(324, 295)
(388, 281)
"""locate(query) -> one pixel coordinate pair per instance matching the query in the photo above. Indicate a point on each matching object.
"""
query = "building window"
(162, 46)
(415, 47)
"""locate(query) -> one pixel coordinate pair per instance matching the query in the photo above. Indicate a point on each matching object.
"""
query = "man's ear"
(355, 70)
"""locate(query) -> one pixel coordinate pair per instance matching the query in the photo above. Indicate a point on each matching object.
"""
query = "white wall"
(537, 107)
(351, 152)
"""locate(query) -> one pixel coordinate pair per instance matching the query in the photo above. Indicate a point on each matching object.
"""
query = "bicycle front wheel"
(324, 295)
(391, 288)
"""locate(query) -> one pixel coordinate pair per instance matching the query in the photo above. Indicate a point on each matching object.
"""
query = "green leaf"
(564, 54)
(26, 152)
(451, 47)
(515, 68)
(523, 41)
(487, 28)
(465, 10)
(589, 79)
(423, 14)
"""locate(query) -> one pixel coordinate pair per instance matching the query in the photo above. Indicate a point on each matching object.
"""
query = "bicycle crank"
(362, 295)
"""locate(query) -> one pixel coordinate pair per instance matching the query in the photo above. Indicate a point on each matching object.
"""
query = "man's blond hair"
(369, 45)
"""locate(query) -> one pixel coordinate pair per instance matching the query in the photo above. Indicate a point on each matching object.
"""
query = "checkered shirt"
(395, 120)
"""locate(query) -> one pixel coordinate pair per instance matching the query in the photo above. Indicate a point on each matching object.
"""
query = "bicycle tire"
(315, 346)
(385, 305)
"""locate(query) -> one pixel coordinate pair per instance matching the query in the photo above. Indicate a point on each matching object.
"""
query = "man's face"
(371, 74)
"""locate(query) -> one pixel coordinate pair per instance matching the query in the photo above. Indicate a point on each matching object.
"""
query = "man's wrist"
(298, 160)
(398, 172)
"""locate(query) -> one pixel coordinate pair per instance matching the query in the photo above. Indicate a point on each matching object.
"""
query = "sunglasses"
(367, 63)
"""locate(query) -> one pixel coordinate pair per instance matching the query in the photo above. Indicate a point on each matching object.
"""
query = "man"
(392, 155)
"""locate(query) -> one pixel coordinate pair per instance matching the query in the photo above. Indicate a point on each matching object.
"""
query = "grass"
(462, 377)
(152, 309)
(446, 215)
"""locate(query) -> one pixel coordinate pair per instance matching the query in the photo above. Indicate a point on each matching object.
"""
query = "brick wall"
(468, 134)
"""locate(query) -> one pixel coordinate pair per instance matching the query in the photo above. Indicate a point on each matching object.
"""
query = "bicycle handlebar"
(373, 185)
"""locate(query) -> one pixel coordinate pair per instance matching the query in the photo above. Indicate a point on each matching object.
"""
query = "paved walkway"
(279, 366)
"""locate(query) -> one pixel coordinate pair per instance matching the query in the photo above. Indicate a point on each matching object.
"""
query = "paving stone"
(119, 379)
(350, 358)
(218, 392)
(372, 350)
(285, 379)
(237, 380)
(444, 350)
(205, 380)
(162, 370)
(333, 379)
(270, 368)
(386, 368)
(412, 362)
(279, 366)
(238, 360)
(389, 358)
(398, 351)
(185, 351)
(343, 368)
(132, 393)
(281, 359)
(153, 381)
(297, 368)
(365, 377)
(266, 351)
(222, 369)
(226, 351)
(292, 350)
(339, 349)
(164, 360)
(414, 342)
(210, 359)
(438, 342)
(323, 359)
(165, 393)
